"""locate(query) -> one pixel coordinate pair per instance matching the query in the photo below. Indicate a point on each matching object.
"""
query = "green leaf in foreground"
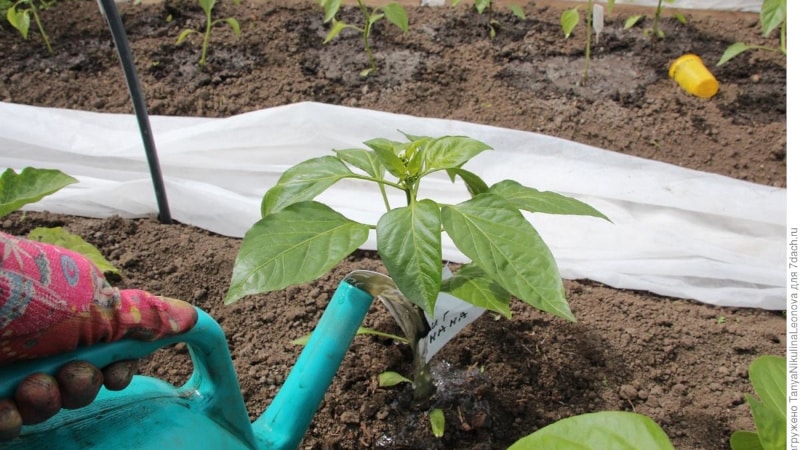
(745, 440)
(410, 245)
(63, 238)
(472, 285)
(29, 186)
(530, 199)
(297, 244)
(496, 237)
(602, 430)
(437, 422)
(768, 376)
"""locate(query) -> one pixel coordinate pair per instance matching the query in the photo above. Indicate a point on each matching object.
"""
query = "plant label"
(451, 315)
(597, 21)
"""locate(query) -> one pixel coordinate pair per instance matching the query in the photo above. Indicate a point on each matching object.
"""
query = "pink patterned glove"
(53, 300)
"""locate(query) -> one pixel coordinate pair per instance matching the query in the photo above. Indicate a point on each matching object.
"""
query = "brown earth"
(680, 362)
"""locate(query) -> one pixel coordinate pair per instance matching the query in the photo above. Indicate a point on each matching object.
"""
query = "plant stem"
(206, 40)
(41, 27)
(366, 32)
(656, 30)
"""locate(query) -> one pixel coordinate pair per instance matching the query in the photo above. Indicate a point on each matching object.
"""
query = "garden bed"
(680, 362)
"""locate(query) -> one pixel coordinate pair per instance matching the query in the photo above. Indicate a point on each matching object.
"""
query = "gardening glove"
(54, 300)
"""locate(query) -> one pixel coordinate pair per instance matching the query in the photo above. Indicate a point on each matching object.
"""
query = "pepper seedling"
(208, 6)
(298, 239)
(393, 12)
(19, 14)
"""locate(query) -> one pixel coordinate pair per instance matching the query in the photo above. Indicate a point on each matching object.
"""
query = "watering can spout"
(287, 418)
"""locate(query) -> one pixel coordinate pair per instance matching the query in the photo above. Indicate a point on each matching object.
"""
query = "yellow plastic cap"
(693, 76)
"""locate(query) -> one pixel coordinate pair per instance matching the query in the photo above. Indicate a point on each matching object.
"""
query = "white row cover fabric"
(724, 5)
(675, 232)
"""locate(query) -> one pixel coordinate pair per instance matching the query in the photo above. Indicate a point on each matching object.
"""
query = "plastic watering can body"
(208, 412)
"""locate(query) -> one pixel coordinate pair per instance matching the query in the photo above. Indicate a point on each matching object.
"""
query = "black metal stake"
(109, 10)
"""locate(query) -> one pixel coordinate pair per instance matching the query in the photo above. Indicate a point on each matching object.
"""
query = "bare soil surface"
(680, 362)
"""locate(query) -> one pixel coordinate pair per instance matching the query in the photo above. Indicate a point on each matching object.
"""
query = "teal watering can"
(208, 412)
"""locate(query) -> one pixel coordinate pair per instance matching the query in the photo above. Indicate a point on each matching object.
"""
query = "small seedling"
(208, 6)
(19, 16)
(773, 15)
(486, 5)
(655, 31)
(393, 12)
(298, 239)
(570, 19)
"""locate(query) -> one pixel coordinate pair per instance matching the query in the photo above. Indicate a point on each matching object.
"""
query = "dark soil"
(680, 362)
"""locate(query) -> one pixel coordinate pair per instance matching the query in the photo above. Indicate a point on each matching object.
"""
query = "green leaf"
(481, 5)
(451, 152)
(768, 376)
(336, 28)
(472, 285)
(184, 34)
(437, 422)
(63, 238)
(530, 199)
(732, 51)
(386, 151)
(29, 186)
(475, 184)
(745, 440)
(362, 159)
(517, 11)
(388, 379)
(304, 181)
(331, 7)
(496, 236)
(207, 5)
(680, 18)
(631, 21)
(569, 20)
(374, 17)
(610, 5)
(773, 14)
(397, 15)
(616, 430)
(295, 245)
(21, 20)
(410, 245)
(234, 24)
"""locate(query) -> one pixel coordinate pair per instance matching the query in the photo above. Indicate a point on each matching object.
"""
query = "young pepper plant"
(393, 12)
(298, 239)
(570, 19)
(19, 14)
(208, 6)
(655, 31)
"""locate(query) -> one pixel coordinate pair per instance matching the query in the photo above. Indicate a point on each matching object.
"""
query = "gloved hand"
(54, 300)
